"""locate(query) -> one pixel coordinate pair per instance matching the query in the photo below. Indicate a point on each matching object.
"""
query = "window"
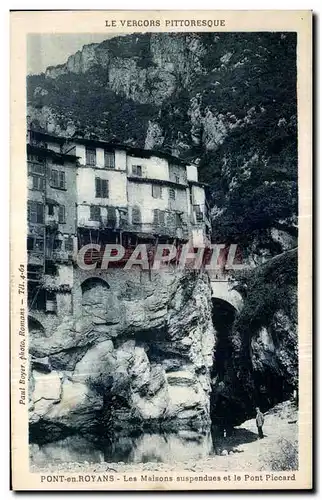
(198, 212)
(54, 178)
(178, 220)
(101, 188)
(136, 215)
(36, 168)
(109, 159)
(61, 214)
(95, 213)
(35, 158)
(58, 179)
(51, 303)
(57, 244)
(156, 191)
(111, 216)
(39, 245)
(50, 209)
(35, 244)
(176, 178)
(90, 156)
(137, 170)
(38, 183)
(158, 217)
(30, 243)
(69, 243)
(172, 194)
(35, 212)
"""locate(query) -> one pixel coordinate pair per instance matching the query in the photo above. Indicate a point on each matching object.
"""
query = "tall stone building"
(83, 191)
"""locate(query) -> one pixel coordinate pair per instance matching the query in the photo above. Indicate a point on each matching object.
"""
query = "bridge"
(222, 289)
(222, 285)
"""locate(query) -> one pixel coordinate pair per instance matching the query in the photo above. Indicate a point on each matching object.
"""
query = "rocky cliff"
(260, 344)
(226, 101)
(140, 357)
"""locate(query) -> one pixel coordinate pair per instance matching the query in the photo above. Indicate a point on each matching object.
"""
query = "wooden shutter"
(98, 187)
(109, 159)
(104, 188)
(62, 182)
(54, 178)
(61, 214)
(136, 215)
(90, 156)
(40, 213)
(95, 212)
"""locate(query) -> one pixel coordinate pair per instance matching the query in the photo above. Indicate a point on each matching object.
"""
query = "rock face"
(151, 365)
(202, 96)
(256, 361)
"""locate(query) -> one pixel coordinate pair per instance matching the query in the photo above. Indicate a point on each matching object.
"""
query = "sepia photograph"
(159, 332)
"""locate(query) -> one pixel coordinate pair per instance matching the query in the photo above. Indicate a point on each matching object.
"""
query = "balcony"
(62, 256)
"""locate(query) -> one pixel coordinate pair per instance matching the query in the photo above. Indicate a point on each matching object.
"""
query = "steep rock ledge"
(151, 363)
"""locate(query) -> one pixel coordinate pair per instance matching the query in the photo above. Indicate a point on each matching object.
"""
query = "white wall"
(120, 157)
(198, 239)
(140, 194)
(153, 167)
(80, 152)
(198, 195)
(192, 173)
(86, 187)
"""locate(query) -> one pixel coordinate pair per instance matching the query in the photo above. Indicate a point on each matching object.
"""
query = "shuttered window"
(38, 183)
(101, 188)
(158, 217)
(91, 156)
(172, 194)
(136, 215)
(95, 213)
(156, 191)
(111, 216)
(58, 179)
(61, 214)
(69, 243)
(109, 159)
(35, 212)
(137, 170)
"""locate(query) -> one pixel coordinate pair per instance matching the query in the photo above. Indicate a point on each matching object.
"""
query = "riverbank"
(278, 450)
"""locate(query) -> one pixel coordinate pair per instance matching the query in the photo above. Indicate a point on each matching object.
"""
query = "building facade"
(51, 214)
(83, 191)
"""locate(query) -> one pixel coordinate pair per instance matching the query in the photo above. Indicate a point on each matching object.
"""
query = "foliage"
(267, 290)
(286, 458)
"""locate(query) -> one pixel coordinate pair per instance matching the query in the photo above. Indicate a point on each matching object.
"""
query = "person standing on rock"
(259, 422)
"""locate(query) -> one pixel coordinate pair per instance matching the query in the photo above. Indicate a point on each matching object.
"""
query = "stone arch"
(96, 297)
(92, 282)
(222, 290)
(36, 328)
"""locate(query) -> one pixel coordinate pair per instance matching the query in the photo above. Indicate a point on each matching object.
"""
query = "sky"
(45, 50)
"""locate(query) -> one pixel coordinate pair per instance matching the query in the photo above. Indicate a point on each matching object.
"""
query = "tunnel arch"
(223, 290)
(93, 282)
(35, 327)
(96, 298)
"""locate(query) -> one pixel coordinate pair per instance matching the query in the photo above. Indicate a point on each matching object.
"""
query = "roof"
(111, 145)
(44, 135)
(39, 151)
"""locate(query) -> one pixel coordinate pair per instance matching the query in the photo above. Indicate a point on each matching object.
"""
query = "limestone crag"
(151, 362)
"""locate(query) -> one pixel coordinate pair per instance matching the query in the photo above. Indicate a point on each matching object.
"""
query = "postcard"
(161, 212)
